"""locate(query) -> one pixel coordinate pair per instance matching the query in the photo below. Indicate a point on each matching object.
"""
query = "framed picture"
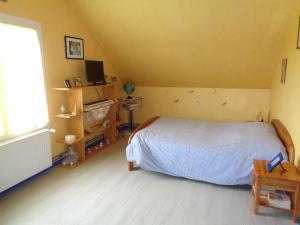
(298, 39)
(74, 48)
(283, 70)
(68, 84)
(275, 162)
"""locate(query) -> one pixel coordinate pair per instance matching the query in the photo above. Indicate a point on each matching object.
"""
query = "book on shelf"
(264, 191)
(279, 199)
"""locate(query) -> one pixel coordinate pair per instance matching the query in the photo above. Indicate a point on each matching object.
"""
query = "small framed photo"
(74, 48)
(275, 162)
(283, 70)
(68, 83)
(77, 81)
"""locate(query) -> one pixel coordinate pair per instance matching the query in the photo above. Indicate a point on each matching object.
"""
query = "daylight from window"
(23, 106)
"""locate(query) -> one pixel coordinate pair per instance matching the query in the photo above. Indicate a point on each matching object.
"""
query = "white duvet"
(215, 152)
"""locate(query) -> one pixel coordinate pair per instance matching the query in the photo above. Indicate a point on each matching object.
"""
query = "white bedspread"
(215, 152)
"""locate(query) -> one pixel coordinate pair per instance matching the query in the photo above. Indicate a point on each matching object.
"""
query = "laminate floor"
(102, 191)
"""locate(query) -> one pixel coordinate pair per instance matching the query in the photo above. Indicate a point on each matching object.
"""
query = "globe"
(129, 87)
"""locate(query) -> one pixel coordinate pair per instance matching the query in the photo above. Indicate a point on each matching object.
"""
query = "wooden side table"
(288, 181)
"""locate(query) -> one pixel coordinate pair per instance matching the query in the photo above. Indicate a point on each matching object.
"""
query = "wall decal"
(176, 101)
(191, 91)
(198, 102)
(298, 39)
(214, 91)
(283, 70)
(224, 104)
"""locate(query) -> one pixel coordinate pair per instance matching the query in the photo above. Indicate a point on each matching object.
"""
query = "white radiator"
(23, 158)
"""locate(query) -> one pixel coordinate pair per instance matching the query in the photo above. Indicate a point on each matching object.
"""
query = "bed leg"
(130, 166)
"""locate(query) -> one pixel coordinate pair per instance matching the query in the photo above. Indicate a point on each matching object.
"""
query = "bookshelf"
(76, 124)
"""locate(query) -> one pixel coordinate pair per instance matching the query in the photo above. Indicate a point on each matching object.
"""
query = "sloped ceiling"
(190, 43)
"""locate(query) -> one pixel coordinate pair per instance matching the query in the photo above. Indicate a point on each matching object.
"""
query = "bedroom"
(197, 64)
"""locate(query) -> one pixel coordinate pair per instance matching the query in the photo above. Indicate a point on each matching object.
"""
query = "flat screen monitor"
(94, 71)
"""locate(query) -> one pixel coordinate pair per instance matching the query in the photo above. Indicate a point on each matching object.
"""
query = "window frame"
(18, 21)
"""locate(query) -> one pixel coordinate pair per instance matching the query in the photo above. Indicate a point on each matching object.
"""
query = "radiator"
(24, 157)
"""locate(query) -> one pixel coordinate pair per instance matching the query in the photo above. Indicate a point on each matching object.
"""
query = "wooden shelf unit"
(67, 115)
(76, 124)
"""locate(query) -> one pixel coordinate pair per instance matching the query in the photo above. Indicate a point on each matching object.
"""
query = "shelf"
(88, 156)
(95, 151)
(84, 86)
(263, 201)
(62, 89)
(67, 115)
(62, 140)
(93, 123)
(96, 133)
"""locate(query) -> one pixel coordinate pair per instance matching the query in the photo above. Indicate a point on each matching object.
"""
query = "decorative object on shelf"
(260, 117)
(77, 81)
(68, 83)
(275, 162)
(89, 151)
(70, 138)
(74, 112)
(129, 88)
(74, 48)
(63, 109)
(107, 141)
(70, 157)
(283, 70)
(114, 79)
(100, 113)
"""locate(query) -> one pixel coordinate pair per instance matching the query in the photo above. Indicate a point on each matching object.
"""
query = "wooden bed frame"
(281, 131)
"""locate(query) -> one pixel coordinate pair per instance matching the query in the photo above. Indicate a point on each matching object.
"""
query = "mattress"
(215, 152)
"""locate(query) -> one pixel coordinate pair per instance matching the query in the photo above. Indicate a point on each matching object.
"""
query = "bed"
(215, 152)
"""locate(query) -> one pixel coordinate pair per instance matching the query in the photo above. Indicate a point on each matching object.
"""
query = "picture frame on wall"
(298, 39)
(283, 70)
(74, 47)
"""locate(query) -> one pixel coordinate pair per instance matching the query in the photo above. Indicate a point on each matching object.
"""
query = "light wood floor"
(103, 192)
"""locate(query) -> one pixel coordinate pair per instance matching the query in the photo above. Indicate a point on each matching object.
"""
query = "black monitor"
(94, 71)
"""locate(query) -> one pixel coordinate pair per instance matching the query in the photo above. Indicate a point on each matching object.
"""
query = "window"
(23, 106)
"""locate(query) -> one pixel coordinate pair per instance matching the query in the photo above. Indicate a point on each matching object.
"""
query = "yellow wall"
(285, 100)
(203, 103)
(57, 20)
(180, 43)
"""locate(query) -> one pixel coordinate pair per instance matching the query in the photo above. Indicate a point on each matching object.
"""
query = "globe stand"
(130, 120)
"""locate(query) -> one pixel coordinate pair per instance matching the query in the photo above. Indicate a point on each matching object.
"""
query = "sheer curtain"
(23, 106)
